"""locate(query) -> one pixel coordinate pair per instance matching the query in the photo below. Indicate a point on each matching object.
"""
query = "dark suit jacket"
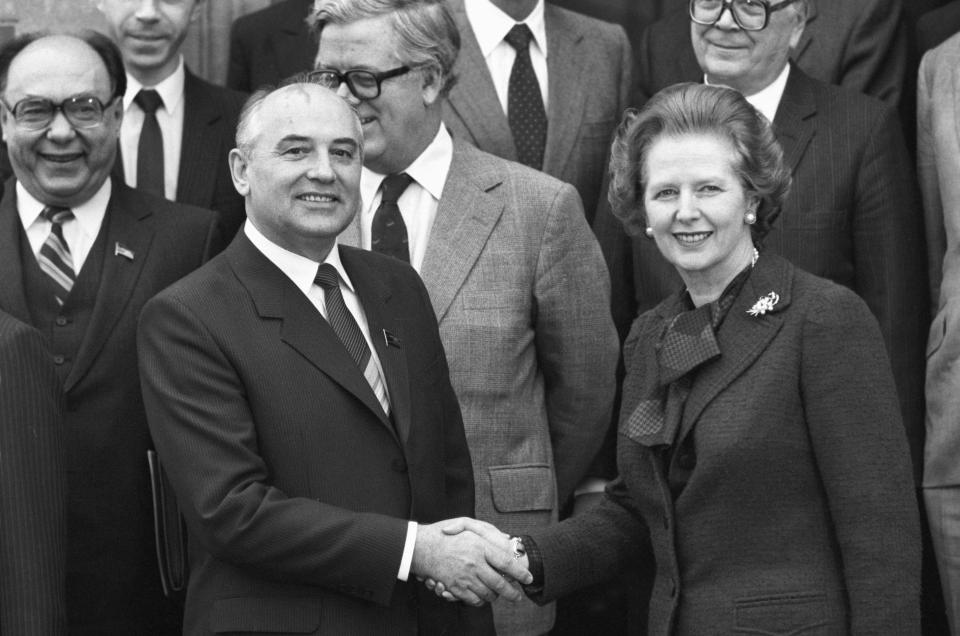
(269, 45)
(936, 26)
(853, 216)
(210, 116)
(33, 497)
(786, 504)
(589, 69)
(295, 486)
(112, 581)
(859, 44)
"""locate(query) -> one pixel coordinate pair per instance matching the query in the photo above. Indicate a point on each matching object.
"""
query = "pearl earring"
(649, 232)
(750, 218)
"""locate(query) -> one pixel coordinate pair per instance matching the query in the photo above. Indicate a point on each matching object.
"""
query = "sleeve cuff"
(408, 546)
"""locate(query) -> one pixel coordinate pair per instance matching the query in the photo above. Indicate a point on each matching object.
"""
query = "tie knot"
(327, 276)
(519, 37)
(148, 100)
(393, 186)
(56, 215)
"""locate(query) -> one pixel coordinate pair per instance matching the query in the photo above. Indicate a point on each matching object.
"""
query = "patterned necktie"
(348, 331)
(389, 233)
(54, 258)
(150, 148)
(525, 112)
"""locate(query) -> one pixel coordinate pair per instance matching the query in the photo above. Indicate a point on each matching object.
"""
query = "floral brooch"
(764, 304)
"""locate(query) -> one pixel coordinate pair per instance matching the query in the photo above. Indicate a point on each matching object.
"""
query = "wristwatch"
(518, 550)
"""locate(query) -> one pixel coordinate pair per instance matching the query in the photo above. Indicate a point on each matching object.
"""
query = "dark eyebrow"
(349, 141)
(293, 139)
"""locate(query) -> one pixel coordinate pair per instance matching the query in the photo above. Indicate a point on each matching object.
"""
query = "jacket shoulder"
(258, 24)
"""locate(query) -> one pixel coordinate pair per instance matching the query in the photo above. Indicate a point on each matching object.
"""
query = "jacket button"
(62, 321)
(58, 359)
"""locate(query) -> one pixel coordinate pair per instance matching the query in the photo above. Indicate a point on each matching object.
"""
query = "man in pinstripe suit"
(33, 500)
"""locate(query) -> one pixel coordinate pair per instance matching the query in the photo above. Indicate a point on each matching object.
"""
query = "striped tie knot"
(56, 215)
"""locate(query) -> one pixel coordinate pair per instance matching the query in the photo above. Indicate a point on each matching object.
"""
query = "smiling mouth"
(67, 158)
(692, 238)
(318, 198)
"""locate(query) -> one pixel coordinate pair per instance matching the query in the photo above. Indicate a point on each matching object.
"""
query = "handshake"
(468, 560)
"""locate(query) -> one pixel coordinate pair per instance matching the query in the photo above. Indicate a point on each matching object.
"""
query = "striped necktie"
(349, 332)
(54, 257)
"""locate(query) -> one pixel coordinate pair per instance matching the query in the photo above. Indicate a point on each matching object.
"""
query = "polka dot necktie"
(150, 147)
(388, 234)
(525, 112)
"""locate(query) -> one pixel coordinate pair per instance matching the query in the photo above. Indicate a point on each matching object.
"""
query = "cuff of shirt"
(408, 545)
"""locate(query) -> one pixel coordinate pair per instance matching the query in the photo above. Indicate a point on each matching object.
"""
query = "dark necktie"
(54, 258)
(525, 112)
(347, 329)
(389, 233)
(150, 148)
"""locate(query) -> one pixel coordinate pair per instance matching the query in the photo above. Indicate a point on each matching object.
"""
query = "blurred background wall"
(205, 50)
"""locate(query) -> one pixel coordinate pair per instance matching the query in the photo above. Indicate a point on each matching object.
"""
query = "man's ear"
(431, 85)
(238, 171)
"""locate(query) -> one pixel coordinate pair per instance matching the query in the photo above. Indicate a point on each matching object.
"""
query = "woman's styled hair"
(698, 109)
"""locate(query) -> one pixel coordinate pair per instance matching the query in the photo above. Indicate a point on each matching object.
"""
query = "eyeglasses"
(750, 15)
(36, 113)
(363, 84)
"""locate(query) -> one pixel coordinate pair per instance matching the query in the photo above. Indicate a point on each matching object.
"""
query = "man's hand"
(472, 568)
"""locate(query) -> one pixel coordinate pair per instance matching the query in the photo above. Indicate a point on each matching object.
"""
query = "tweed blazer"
(520, 291)
(269, 45)
(296, 486)
(859, 44)
(210, 116)
(112, 580)
(853, 216)
(33, 495)
(786, 505)
(589, 75)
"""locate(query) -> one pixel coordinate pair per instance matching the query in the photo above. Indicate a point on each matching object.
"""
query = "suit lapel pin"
(390, 339)
(764, 304)
(121, 250)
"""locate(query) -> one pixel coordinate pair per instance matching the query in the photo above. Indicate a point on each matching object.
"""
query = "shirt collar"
(299, 269)
(767, 99)
(89, 214)
(491, 25)
(170, 89)
(429, 170)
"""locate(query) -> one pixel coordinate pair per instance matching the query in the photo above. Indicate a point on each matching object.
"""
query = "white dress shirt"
(767, 99)
(302, 271)
(79, 232)
(169, 117)
(419, 202)
(491, 25)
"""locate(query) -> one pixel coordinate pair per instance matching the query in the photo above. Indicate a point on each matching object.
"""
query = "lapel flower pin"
(764, 304)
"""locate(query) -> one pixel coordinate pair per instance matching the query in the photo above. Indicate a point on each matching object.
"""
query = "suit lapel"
(13, 298)
(303, 328)
(198, 152)
(375, 296)
(954, 104)
(794, 121)
(566, 81)
(742, 337)
(126, 224)
(806, 39)
(467, 214)
(474, 98)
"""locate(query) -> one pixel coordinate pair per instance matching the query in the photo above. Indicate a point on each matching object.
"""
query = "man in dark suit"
(934, 27)
(853, 214)
(581, 74)
(269, 45)
(81, 255)
(299, 397)
(33, 497)
(178, 149)
(859, 44)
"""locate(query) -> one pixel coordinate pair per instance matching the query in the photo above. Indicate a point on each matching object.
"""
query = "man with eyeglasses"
(540, 85)
(515, 277)
(177, 128)
(860, 44)
(81, 253)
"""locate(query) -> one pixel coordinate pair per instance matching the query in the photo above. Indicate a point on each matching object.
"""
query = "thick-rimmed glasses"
(750, 15)
(363, 84)
(36, 113)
